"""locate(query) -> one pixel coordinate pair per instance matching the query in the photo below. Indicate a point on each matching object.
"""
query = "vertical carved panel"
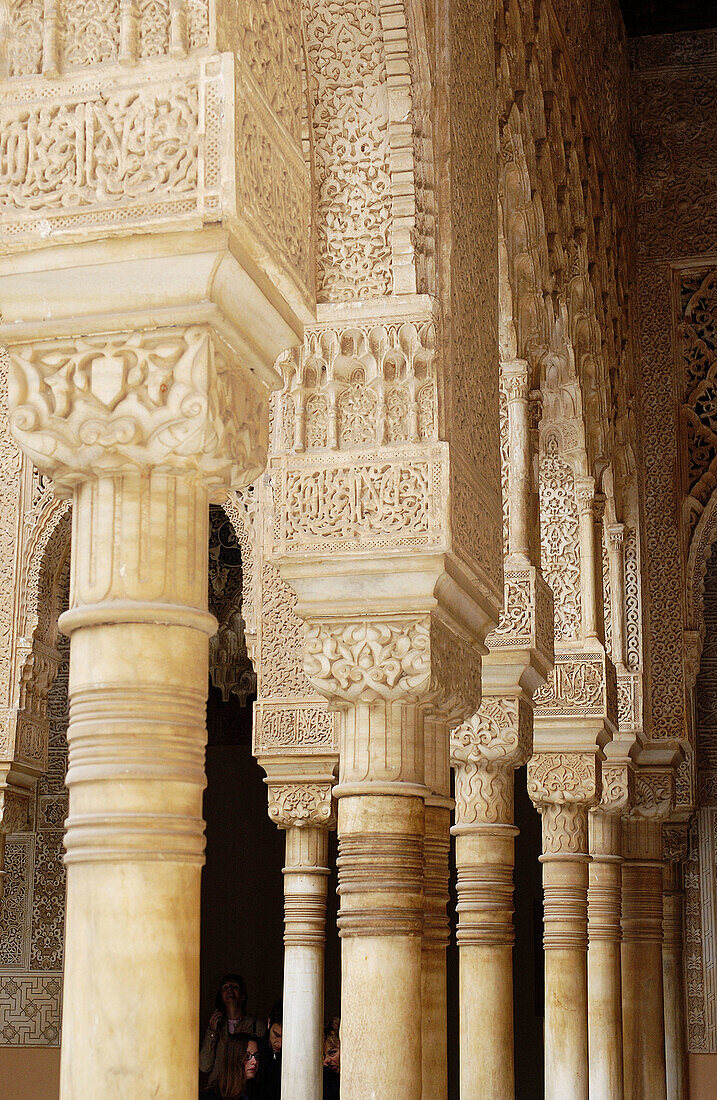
(25, 36)
(633, 608)
(91, 31)
(706, 694)
(559, 539)
(351, 146)
(153, 28)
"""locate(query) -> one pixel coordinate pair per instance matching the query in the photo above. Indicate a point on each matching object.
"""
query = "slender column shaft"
(135, 836)
(484, 752)
(604, 935)
(380, 866)
(565, 883)
(675, 1051)
(436, 935)
(519, 474)
(615, 538)
(484, 857)
(305, 881)
(590, 564)
(642, 989)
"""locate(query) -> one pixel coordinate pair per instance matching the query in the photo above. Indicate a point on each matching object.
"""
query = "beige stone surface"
(456, 396)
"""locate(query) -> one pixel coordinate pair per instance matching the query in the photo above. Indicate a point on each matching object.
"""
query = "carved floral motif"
(168, 398)
(563, 777)
(351, 143)
(300, 804)
(559, 538)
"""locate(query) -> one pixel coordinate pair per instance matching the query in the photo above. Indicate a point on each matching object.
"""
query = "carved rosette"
(484, 752)
(300, 804)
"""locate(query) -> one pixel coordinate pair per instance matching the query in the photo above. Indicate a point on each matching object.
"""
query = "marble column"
(380, 668)
(589, 511)
(672, 964)
(142, 428)
(303, 808)
(436, 928)
(604, 935)
(563, 786)
(484, 753)
(642, 988)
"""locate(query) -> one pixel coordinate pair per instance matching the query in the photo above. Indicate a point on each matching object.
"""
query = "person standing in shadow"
(270, 1071)
(230, 1017)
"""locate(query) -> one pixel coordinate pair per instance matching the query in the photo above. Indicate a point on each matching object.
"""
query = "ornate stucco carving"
(158, 398)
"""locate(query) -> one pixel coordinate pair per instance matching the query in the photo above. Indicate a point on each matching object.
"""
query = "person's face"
(275, 1037)
(251, 1060)
(231, 991)
(332, 1055)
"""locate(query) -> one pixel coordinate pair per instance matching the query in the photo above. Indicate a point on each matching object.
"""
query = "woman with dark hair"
(229, 1018)
(237, 1078)
(332, 1059)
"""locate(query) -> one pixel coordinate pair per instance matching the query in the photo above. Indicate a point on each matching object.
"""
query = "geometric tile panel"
(30, 1008)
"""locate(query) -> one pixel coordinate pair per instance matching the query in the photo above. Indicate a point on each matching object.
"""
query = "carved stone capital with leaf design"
(174, 399)
(485, 750)
(616, 798)
(654, 801)
(617, 789)
(585, 495)
(300, 804)
(654, 793)
(563, 786)
(401, 658)
(515, 380)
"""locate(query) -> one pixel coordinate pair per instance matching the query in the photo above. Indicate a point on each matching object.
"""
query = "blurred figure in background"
(332, 1059)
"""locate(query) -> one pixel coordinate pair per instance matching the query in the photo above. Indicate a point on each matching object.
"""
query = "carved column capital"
(484, 752)
(654, 793)
(615, 536)
(169, 399)
(563, 785)
(300, 804)
(605, 818)
(401, 658)
(585, 495)
(515, 380)
(617, 789)
(564, 778)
